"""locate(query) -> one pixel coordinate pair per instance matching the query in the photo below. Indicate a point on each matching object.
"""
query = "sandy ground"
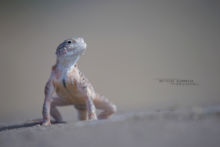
(166, 128)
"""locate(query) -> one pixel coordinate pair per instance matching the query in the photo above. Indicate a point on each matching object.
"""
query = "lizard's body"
(68, 86)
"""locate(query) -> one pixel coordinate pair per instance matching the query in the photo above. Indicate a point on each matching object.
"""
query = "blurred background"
(131, 44)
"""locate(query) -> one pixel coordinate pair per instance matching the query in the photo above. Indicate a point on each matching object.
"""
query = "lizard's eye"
(69, 42)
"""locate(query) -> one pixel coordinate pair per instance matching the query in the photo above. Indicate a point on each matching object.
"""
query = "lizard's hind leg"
(103, 103)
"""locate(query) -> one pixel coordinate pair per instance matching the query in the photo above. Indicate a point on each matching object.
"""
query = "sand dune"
(194, 127)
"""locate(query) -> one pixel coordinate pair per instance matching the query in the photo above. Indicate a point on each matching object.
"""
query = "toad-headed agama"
(68, 86)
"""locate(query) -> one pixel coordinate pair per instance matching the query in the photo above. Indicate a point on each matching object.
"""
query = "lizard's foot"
(92, 116)
(46, 123)
(108, 112)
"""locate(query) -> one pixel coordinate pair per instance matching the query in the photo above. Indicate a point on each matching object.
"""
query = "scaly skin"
(68, 86)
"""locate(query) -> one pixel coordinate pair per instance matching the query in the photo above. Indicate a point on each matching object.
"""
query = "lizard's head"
(71, 47)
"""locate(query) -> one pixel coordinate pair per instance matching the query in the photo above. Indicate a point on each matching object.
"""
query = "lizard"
(67, 85)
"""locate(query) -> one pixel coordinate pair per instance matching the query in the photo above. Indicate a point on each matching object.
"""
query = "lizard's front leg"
(47, 103)
(46, 112)
(91, 109)
(89, 103)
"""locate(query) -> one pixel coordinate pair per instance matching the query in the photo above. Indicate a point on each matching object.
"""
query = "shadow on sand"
(24, 125)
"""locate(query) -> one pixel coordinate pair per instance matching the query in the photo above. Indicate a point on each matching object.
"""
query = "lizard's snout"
(82, 44)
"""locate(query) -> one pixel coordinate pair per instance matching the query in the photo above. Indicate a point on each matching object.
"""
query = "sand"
(160, 128)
